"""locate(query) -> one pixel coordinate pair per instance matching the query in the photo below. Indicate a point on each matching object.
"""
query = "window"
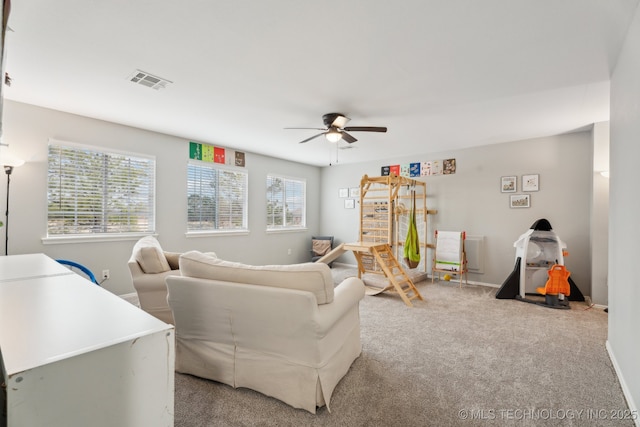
(91, 191)
(217, 198)
(286, 203)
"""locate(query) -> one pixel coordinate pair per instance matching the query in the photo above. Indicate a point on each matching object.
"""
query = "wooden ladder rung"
(389, 263)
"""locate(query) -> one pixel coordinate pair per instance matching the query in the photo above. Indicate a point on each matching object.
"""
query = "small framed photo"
(508, 184)
(349, 204)
(530, 182)
(354, 192)
(343, 192)
(520, 201)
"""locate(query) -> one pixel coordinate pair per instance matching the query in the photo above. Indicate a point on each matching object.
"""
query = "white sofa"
(282, 330)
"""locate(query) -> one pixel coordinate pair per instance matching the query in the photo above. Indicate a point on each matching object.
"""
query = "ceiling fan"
(335, 129)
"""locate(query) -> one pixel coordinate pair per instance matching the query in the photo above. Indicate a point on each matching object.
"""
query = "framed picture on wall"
(519, 201)
(508, 184)
(354, 192)
(343, 192)
(349, 204)
(530, 182)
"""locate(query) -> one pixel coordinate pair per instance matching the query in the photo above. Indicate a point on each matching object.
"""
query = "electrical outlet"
(288, 251)
(105, 274)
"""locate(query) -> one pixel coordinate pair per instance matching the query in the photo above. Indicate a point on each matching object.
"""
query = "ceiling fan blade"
(366, 129)
(335, 119)
(313, 137)
(340, 121)
(348, 138)
(308, 128)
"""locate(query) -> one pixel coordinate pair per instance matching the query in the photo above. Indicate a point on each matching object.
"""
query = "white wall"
(624, 217)
(471, 200)
(27, 129)
(600, 215)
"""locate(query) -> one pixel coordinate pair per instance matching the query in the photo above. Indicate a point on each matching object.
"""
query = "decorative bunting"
(218, 155)
(207, 153)
(195, 151)
(433, 167)
(449, 166)
(414, 169)
(239, 158)
(210, 154)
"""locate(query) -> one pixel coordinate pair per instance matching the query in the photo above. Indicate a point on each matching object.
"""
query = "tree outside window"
(92, 191)
(286, 203)
(217, 198)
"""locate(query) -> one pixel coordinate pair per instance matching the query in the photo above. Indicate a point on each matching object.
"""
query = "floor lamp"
(9, 162)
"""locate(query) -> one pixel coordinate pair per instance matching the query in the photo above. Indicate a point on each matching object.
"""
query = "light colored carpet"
(461, 357)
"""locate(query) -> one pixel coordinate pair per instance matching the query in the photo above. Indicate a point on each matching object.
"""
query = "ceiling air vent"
(149, 80)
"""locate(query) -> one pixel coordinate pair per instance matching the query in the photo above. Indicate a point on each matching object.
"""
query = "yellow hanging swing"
(412, 242)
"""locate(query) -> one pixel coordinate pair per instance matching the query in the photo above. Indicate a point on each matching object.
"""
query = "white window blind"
(97, 192)
(217, 198)
(286, 202)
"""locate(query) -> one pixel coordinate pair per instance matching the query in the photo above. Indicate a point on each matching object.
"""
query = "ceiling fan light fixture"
(333, 135)
(335, 131)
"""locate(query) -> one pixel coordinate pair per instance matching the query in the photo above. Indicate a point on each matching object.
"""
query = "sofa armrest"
(347, 295)
(153, 282)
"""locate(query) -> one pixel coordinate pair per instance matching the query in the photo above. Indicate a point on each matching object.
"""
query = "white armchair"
(149, 266)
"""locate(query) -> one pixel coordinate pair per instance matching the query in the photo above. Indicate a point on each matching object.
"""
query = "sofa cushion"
(148, 253)
(312, 277)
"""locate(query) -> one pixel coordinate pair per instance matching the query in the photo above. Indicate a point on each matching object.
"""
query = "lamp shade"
(333, 135)
(7, 159)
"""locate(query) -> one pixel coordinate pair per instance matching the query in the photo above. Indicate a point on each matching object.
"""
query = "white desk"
(18, 267)
(74, 354)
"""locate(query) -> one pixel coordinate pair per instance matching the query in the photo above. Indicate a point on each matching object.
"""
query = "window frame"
(271, 228)
(100, 236)
(219, 167)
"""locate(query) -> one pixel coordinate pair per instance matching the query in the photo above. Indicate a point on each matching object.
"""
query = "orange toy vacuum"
(556, 288)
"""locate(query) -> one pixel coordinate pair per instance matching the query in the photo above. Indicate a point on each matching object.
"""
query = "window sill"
(216, 233)
(286, 230)
(93, 238)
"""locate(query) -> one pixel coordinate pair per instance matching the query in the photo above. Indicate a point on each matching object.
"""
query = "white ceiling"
(440, 74)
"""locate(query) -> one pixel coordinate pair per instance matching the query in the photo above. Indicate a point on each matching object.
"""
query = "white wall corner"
(633, 408)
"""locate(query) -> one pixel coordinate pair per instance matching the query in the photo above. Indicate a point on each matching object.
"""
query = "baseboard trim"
(130, 297)
(489, 285)
(474, 282)
(623, 384)
(471, 282)
(344, 264)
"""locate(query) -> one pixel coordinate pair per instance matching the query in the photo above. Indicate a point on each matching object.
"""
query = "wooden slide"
(399, 281)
